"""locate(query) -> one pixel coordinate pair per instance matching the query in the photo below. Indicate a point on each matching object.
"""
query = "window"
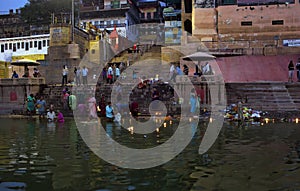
(40, 45)
(26, 46)
(229, 2)
(2, 47)
(44, 43)
(10, 46)
(48, 42)
(22, 45)
(6, 46)
(35, 44)
(18, 45)
(188, 6)
(277, 22)
(246, 23)
(115, 4)
(14, 47)
(148, 15)
(102, 24)
(30, 44)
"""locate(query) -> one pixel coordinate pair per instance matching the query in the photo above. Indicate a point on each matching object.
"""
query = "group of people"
(36, 73)
(37, 105)
(291, 68)
(81, 75)
(111, 73)
(175, 70)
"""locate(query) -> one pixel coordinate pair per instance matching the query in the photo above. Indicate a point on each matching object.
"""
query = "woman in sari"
(193, 102)
(92, 107)
(30, 104)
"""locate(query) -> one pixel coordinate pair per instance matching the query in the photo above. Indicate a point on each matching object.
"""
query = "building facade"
(246, 27)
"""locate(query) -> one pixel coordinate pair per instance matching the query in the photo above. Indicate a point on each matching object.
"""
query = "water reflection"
(36, 155)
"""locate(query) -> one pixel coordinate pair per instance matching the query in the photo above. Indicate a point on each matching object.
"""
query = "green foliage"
(39, 12)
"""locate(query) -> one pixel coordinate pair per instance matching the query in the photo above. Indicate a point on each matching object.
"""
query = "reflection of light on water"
(297, 120)
(210, 120)
(165, 124)
(157, 130)
(170, 122)
(190, 119)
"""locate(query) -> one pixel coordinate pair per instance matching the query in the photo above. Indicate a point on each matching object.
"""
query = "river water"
(36, 155)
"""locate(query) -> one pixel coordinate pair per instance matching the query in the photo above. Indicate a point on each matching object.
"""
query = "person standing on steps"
(291, 70)
(65, 72)
(117, 72)
(78, 76)
(84, 73)
(110, 74)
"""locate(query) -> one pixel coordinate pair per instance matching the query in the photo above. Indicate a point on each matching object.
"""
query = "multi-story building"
(244, 26)
(107, 14)
(13, 26)
(151, 16)
(172, 18)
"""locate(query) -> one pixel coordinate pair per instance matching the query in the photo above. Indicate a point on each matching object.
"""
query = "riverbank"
(276, 116)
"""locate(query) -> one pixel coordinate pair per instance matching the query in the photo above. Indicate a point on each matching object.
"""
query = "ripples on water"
(35, 155)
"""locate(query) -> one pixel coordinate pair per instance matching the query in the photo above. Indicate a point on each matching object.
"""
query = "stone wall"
(13, 93)
(252, 30)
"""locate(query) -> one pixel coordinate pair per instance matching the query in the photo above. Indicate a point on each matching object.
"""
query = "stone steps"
(266, 96)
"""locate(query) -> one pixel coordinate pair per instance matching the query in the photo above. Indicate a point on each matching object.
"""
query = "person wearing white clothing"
(84, 73)
(172, 74)
(65, 72)
(117, 72)
(110, 74)
(51, 115)
(207, 69)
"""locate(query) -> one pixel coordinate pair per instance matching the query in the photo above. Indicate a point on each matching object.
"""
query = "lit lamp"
(267, 120)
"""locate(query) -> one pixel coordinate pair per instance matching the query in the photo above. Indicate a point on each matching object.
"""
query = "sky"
(5, 5)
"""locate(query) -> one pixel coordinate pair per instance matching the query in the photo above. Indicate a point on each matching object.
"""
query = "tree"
(39, 12)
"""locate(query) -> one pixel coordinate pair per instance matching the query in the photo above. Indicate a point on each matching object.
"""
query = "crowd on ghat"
(86, 105)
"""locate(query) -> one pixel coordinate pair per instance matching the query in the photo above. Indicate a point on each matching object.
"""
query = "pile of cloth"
(248, 114)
